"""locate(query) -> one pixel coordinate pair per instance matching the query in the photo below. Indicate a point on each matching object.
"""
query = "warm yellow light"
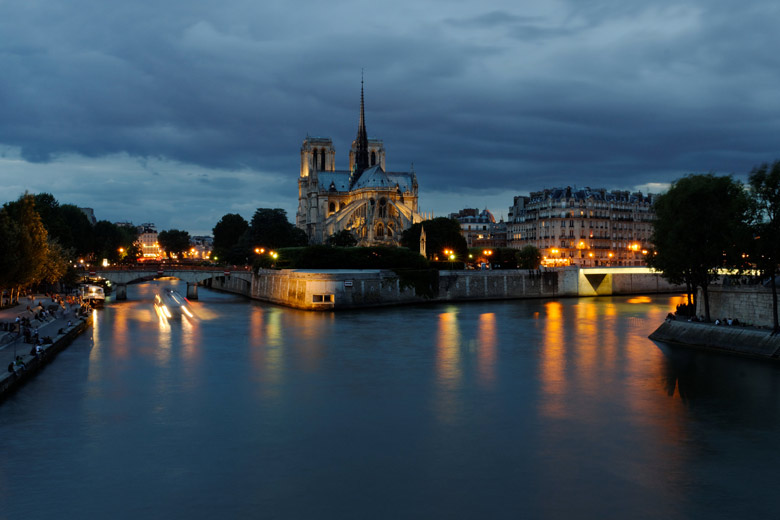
(644, 251)
(554, 251)
(590, 255)
(259, 250)
(610, 255)
(452, 257)
(81, 260)
(121, 249)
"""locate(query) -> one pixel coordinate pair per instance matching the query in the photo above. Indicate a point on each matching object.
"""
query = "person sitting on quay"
(19, 363)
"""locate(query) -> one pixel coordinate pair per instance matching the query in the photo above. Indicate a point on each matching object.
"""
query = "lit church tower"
(372, 204)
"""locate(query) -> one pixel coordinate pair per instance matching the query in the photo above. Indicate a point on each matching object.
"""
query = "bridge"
(120, 276)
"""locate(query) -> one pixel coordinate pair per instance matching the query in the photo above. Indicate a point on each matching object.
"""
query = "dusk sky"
(178, 112)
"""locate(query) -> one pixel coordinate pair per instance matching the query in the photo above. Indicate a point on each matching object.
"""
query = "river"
(519, 409)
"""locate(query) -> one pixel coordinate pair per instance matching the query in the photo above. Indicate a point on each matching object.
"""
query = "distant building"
(201, 247)
(147, 241)
(374, 205)
(585, 227)
(90, 213)
(480, 228)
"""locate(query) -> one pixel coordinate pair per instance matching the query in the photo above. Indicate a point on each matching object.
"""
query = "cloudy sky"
(177, 112)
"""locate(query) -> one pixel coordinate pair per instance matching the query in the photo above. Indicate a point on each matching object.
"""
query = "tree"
(270, 229)
(227, 234)
(80, 237)
(9, 252)
(765, 190)
(32, 246)
(529, 257)
(440, 233)
(343, 238)
(699, 223)
(174, 242)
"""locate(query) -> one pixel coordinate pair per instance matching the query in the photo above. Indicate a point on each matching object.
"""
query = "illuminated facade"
(480, 228)
(147, 241)
(374, 205)
(586, 227)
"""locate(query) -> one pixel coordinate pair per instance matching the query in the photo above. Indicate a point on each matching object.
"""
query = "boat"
(171, 304)
(93, 294)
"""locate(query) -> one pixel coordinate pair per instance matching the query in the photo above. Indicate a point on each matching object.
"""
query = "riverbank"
(336, 289)
(744, 341)
(62, 328)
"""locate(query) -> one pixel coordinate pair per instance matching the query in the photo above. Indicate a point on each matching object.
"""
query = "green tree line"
(41, 240)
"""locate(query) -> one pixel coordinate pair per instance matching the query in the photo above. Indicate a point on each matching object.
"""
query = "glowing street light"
(259, 250)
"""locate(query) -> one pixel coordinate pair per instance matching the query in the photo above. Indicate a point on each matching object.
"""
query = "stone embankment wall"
(747, 303)
(337, 289)
(10, 382)
(746, 341)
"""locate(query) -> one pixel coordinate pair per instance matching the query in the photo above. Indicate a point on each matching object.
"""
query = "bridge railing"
(167, 267)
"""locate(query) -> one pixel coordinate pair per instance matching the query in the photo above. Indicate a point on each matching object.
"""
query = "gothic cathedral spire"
(361, 147)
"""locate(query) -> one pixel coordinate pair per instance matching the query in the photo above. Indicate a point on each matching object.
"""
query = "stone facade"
(586, 227)
(350, 289)
(750, 304)
(371, 203)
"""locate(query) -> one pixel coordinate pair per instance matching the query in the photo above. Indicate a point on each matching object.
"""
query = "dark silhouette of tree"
(10, 256)
(700, 223)
(270, 229)
(529, 257)
(174, 242)
(440, 233)
(227, 235)
(764, 182)
(343, 238)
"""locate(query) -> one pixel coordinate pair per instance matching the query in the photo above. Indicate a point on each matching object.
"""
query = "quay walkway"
(12, 343)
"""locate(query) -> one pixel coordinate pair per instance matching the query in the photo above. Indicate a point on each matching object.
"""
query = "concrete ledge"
(10, 382)
(735, 340)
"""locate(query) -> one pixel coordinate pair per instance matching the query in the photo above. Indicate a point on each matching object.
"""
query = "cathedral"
(373, 204)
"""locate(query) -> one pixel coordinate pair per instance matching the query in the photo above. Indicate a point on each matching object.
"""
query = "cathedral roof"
(374, 177)
(339, 179)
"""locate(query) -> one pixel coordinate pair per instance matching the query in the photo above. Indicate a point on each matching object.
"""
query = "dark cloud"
(215, 100)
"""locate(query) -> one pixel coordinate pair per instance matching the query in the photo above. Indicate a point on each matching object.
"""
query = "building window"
(322, 298)
(332, 207)
(373, 158)
(322, 159)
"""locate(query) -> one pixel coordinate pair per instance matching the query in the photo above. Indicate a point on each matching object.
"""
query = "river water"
(522, 409)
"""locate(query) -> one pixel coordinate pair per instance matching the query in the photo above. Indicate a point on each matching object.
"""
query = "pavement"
(12, 343)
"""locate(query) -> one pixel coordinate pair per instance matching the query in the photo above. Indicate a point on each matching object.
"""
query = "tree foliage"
(174, 241)
(700, 227)
(343, 238)
(271, 229)
(529, 257)
(764, 182)
(440, 233)
(227, 235)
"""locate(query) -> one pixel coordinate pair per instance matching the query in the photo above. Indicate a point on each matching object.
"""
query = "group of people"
(719, 321)
(16, 365)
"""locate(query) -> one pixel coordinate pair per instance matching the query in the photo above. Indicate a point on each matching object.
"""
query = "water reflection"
(446, 407)
(553, 361)
(487, 344)
(448, 369)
